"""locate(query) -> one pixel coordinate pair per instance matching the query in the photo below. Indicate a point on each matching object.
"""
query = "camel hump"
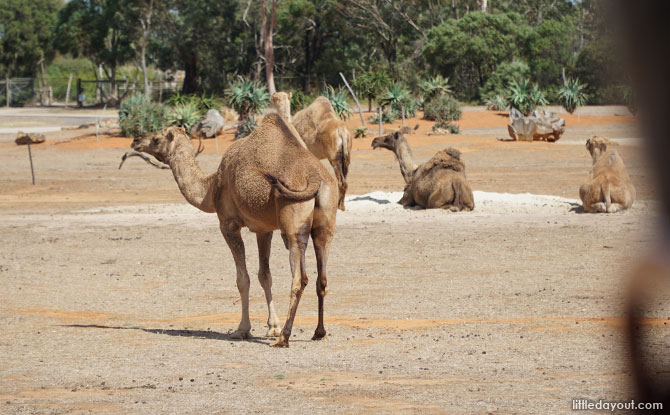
(449, 158)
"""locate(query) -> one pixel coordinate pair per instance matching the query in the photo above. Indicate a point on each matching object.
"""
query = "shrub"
(442, 108)
(505, 73)
(185, 115)
(338, 99)
(300, 100)
(435, 86)
(370, 84)
(389, 115)
(247, 97)
(447, 125)
(572, 95)
(361, 132)
(525, 97)
(245, 127)
(496, 103)
(138, 116)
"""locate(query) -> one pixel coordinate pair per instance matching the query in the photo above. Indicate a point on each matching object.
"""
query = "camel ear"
(170, 134)
(396, 135)
(588, 143)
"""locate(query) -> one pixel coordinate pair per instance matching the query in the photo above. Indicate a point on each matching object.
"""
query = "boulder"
(32, 138)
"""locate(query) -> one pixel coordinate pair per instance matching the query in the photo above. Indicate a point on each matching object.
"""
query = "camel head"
(282, 103)
(597, 146)
(159, 144)
(389, 141)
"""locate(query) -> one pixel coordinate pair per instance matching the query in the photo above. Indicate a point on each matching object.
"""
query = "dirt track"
(117, 296)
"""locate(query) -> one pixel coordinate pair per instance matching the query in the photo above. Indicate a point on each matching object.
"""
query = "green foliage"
(245, 127)
(299, 100)
(247, 97)
(504, 74)
(496, 103)
(361, 132)
(201, 102)
(338, 99)
(550, 49)
(371, 84)
(138, 116)
(185, 115)
(572, 95)
(395, 96)
(525, 97)
(434, 86)
(446, 125)
(389, 115)
(25, 30)
(442, 108)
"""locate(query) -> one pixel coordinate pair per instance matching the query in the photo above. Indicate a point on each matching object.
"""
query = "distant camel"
(608, 188)
(438, 183)
(324, 134)
(265, 181)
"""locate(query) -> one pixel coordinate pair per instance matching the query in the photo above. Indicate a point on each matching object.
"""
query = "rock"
(540, 125)
(211, 125)
(23, 139)
(439, 131)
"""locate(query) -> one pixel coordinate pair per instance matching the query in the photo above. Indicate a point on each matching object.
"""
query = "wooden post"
(355, 99)
(67, 91)
(402, 111)
(8, 90)
(30, 156)
(80, 91)
(380, 120)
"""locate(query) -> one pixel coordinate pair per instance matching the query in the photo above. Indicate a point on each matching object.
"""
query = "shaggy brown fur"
(438, 183)
(608, 188)
(265, 181)
(327, 137)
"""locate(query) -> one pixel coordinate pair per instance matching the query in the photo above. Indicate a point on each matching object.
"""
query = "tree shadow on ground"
(370, 199)
(199, 334)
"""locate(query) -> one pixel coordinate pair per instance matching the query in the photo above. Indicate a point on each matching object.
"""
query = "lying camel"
(438, 183)
(265, 181)
(608, 188)
(324, 134)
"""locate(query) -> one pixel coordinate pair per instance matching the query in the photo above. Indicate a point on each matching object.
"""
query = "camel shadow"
(198, 334)
(370, 199)
(577, 208)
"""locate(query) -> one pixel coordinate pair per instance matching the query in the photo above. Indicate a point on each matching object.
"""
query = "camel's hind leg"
(342, 186)
(265, 278)
(231, 233)
(296, 237)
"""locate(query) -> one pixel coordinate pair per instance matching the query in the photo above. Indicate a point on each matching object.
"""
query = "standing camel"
(265, 181)
(324, 134)
(438, 183)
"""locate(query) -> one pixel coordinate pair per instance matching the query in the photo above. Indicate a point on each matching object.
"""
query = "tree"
(143, 12)
(100, 30)
(371, 84)
(25, 31)
(268, 28)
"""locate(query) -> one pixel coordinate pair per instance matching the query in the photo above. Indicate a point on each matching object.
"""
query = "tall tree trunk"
(483, 4)
(268, 32)
(306, 80)
(146, 27)
(191, 74)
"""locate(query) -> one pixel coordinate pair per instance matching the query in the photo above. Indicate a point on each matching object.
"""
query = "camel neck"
(404, 155)
(194, 184)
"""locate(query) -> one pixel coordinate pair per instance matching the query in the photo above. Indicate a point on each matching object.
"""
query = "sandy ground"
(118, 297)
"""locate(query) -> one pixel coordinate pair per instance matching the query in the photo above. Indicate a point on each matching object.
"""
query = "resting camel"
(324, 134)
(608, 188)
(265, 181)
(438, 183)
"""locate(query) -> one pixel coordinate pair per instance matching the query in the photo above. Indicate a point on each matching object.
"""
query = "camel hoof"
(240, 334)
(273, 332)
(600, 207)
(613, 209)
(320, 335)
(280, 342)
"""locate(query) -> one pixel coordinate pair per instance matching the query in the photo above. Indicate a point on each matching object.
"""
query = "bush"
(442, 108)
(496, 103)
(435, 86)
(247, 97)
(185, 115)
(300, 100)
(447, 125)
(361, 132)
(572, 95)
(525, 97)
(389, 115)
(504, 74)
(138, 116)
(338, 99)
(245, 127)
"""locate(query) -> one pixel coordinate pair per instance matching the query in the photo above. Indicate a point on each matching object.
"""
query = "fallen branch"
(143, 157)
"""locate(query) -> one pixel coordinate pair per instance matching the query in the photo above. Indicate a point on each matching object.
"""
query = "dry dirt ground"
(117, 297)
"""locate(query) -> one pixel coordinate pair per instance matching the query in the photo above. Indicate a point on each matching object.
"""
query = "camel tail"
(309, 192)
(463, 197)
(343, 134)
(605, 191)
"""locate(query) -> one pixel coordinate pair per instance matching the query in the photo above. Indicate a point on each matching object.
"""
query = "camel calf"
(324, 134)
(608, 188)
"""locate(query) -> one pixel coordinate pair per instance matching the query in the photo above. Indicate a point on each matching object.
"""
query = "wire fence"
(18, 92)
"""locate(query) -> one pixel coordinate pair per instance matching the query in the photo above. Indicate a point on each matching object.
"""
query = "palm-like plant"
(397, 97)
(138, 116)
(434, 86)
(338, 99)
(185, 115)
(371, 84)
(247, 97)
(496, 103)
(525, 97)
(572, 95)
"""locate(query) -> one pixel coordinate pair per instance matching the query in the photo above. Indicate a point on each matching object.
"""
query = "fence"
(24, 91)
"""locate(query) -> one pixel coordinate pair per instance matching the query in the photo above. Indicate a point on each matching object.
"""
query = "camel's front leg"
(321, 237)
(297, 243)
(265, 278)
(231, 233)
